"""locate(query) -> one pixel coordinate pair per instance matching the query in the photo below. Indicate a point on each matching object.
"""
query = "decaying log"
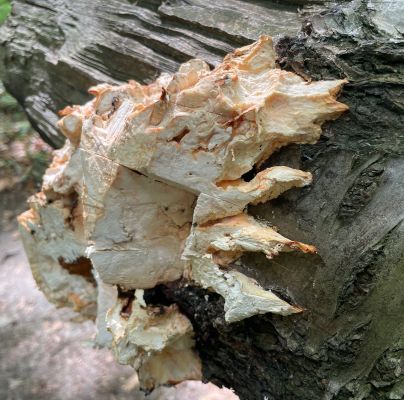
(71, 45)
(347, 340)
(137, 160)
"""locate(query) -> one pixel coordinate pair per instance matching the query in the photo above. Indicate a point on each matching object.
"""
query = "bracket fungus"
(149, 186)
(156, 341)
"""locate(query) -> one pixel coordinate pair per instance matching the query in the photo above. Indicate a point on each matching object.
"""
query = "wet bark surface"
(348, 343)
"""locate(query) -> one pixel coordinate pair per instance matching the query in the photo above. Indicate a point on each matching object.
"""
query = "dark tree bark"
(349, 341)
(55, 50)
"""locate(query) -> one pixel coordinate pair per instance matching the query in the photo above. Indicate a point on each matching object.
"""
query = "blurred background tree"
(23, 155)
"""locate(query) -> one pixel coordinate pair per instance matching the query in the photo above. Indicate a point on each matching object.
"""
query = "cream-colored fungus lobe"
(150, 184)
(156, 341)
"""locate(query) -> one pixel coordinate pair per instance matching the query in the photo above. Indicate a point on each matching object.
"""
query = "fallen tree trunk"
(70, 46)
(348, 341)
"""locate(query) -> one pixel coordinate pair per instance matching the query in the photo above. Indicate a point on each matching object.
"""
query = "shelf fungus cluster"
(148, 189)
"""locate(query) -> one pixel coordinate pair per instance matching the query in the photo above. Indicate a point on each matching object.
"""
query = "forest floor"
(45, 352)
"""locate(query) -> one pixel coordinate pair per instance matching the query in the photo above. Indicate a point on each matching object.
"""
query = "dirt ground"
(45, 354)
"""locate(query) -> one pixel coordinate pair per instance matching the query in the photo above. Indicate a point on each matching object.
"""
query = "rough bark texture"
(349, 341)
(64, 47)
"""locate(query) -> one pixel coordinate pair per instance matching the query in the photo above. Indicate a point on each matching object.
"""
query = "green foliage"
(23, 156)
(5, 8)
